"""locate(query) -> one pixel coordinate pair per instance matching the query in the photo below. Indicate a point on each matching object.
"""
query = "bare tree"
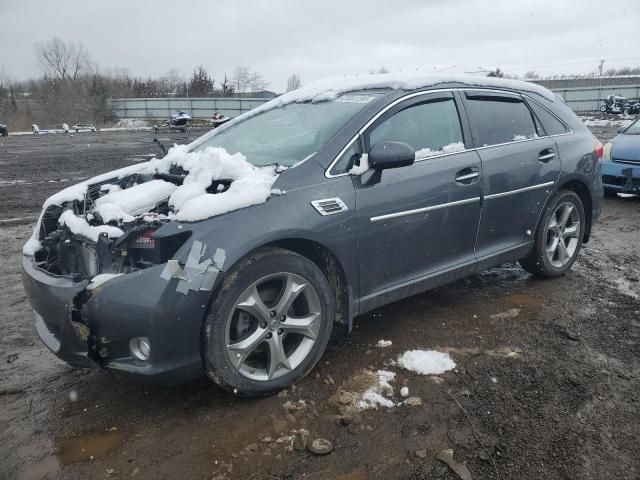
(240, 78)
(64, 61)
(293, 82)
(496, 73)
(172, 81)
(531, 75)
(380, 70)
(246, 81)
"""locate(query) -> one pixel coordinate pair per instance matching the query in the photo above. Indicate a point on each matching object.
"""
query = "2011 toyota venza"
(234, 256)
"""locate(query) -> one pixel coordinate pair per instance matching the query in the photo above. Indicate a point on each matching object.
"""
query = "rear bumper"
(92, 328)
(621, 177)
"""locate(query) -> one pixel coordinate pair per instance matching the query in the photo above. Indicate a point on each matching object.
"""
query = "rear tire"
(268, 324)
(558, 238)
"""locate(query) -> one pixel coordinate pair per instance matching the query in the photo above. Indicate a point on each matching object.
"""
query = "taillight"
(598, 148)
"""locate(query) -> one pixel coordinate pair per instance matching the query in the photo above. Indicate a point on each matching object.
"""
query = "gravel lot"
(552, 391)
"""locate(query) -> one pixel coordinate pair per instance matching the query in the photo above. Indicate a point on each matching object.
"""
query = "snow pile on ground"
(451, 148)
(129, 124)
(384, 343)
(426, 362)
(622, 121)
(374, 396)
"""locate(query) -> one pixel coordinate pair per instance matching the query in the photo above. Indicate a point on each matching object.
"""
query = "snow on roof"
(332, 87)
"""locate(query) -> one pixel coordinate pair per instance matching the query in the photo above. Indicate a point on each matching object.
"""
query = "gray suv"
(383, 188)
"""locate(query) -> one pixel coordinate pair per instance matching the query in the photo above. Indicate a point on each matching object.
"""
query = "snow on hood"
(190, 201)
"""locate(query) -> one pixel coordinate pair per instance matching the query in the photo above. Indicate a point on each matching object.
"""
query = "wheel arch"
(330, 266)
(580, 188)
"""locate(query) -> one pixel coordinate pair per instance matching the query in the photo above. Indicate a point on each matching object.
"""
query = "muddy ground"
(552, 391)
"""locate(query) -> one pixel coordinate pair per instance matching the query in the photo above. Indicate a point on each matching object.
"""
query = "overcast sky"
(324, 38)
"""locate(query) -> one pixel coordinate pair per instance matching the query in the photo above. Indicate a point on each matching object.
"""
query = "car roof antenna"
(162, 147)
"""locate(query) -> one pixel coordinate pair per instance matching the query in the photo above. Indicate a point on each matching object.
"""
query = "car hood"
(626, 147)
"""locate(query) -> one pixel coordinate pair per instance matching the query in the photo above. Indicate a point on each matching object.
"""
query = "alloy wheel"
(273, 326)
(563, 233)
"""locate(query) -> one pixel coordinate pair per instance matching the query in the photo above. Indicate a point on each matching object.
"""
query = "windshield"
(286, 135)
(633, 129)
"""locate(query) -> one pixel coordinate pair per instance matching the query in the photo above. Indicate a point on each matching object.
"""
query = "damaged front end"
(85, 323)
(135, 207)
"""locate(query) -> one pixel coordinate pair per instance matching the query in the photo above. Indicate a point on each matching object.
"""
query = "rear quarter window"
(550, 123)
(496, 120)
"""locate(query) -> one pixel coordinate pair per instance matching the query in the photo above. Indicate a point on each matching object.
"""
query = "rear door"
(520, 165)
(420, 219)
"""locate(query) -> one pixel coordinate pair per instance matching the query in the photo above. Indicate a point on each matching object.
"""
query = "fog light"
(140, 347)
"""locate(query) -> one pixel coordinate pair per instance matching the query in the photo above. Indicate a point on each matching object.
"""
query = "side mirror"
(384, 155)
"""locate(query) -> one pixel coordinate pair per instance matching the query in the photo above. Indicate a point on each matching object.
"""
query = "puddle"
(88, 447)
(523, 299)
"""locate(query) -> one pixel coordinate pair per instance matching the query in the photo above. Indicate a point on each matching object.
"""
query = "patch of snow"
(426, 362)
(79, 226)
(372, 399)
(606, 122)
(31, 247)
(250, 185)
(374, 396)
(332, 88)
(190, 201)
(107, 187)
(362, 167)
(100, 279)
(451, 148)
(122, 205)
(404, 392)
(384, 343)
(511, 313)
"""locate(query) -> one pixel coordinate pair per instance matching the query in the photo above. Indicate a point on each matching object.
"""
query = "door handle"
(545, 155)
(467, 175)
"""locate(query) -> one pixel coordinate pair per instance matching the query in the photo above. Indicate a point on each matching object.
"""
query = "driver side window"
(431, 128)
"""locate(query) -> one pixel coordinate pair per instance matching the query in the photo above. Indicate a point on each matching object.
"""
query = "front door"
(420, 219)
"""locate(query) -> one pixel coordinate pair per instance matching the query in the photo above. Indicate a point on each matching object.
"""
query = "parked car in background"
(344, 196)
(84, 127)
(621, 162)
(62, 128)
(4, 130)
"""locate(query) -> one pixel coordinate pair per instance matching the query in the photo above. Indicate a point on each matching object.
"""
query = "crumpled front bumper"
(92, 328)
(623, 177)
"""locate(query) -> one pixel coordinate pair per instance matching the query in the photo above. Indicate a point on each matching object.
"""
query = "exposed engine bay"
(136, 204)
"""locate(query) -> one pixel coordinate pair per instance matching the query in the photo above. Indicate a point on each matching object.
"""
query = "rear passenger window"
(431, 128)
(500, 120)
(551, 124)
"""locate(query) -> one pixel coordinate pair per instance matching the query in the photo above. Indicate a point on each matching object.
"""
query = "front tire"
(268, 324)
(558, 238)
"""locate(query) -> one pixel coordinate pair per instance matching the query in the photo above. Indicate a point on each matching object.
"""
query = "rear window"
(498, 120)
(550, 123)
